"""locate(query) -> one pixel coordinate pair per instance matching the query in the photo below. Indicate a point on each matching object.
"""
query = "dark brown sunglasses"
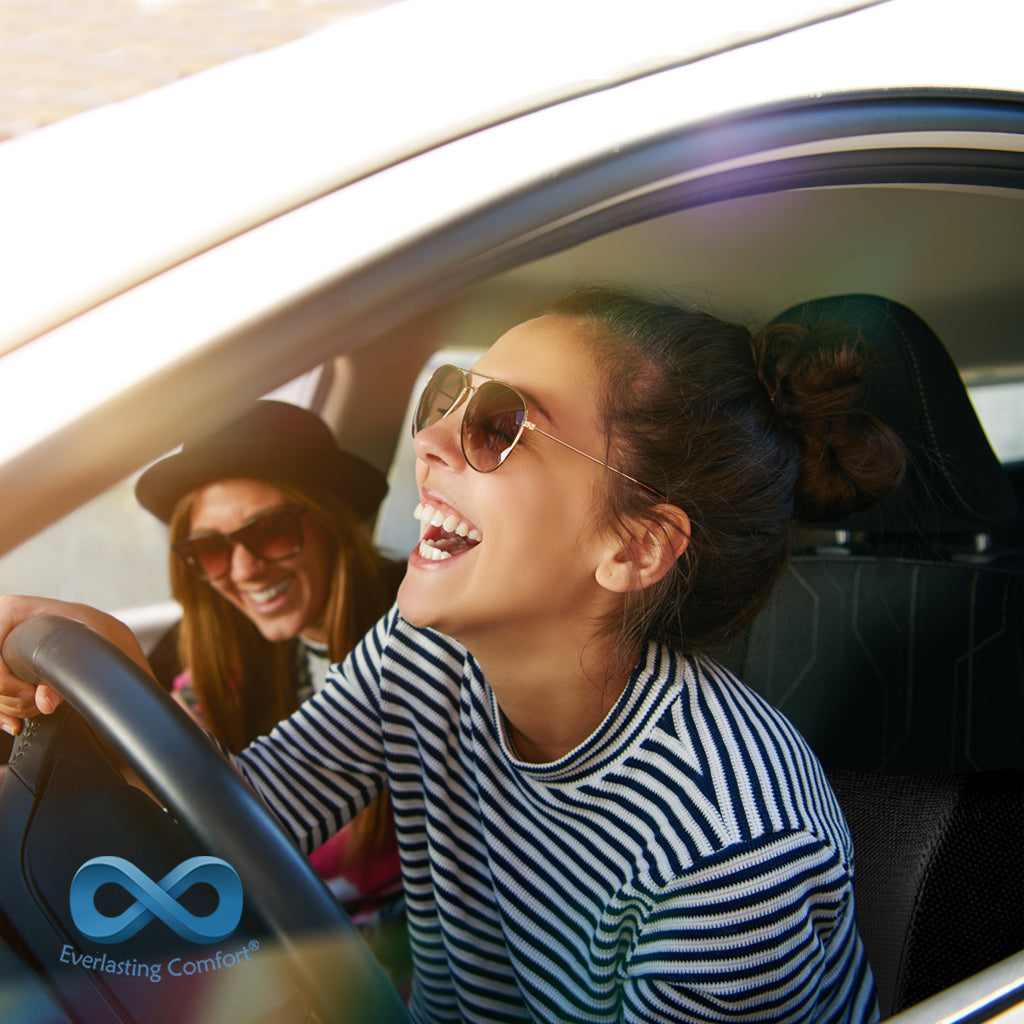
(270, 536)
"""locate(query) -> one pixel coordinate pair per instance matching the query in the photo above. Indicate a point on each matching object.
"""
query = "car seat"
(939, 886)
(894, 638)
(894, 643)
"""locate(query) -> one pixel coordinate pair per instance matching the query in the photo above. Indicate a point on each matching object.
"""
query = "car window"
(1000, 407)
(109, 552)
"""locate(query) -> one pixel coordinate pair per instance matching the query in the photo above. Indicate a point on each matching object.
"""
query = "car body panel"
(213, 154)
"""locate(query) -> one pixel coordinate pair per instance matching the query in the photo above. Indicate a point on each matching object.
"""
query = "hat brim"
(275, 446)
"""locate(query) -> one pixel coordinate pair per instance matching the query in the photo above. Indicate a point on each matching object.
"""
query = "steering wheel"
(342, 981)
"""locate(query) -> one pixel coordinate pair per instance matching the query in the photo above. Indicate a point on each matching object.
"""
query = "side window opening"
(1000, 407)
(111, 553)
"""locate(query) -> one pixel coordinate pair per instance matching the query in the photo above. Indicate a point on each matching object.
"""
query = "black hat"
(269, 441)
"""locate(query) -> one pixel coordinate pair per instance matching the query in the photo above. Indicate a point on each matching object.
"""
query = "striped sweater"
(686, 862)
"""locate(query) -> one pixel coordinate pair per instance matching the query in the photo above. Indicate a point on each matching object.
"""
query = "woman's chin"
(277, 630)
(416, 606)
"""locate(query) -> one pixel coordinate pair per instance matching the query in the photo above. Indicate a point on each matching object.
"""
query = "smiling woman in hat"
(277, 578)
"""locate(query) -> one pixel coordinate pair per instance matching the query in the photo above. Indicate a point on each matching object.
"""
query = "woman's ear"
(650, 551)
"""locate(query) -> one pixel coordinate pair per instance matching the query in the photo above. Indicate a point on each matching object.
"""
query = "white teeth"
(269, 593)
(434, 554)
(450, 523)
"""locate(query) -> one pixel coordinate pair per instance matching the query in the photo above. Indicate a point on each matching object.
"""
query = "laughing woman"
(597, 822)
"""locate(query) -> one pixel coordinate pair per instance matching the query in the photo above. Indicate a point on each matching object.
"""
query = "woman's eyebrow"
(531, 400)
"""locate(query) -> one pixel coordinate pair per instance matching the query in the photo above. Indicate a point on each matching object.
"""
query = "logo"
(156, 899)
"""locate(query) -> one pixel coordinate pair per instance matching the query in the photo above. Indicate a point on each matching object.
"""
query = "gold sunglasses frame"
(465, 395)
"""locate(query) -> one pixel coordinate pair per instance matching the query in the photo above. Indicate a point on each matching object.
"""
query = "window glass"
(108, 552)
(1000, 407)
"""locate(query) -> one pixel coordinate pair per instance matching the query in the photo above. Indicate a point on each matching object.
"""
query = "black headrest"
(956, 483)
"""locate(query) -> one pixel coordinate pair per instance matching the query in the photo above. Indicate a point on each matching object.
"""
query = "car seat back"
(938, 885)
(895, 639)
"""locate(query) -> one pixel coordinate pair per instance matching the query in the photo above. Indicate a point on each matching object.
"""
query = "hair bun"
(849, 459)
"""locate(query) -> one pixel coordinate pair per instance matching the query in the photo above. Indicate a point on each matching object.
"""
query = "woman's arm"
(763, 930)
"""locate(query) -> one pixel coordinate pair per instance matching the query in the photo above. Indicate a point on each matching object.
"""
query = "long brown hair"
(245, 683)
(745, 432)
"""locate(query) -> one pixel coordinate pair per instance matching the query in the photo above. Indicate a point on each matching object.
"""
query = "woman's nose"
(440, 442)
(244, 564)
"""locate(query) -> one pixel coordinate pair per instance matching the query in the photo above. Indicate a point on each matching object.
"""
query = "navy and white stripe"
(687, 862)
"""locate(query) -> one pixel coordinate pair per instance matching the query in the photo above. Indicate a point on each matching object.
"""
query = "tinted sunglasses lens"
(442, 391)
(492, 424)
(273, 536)
(206, 556)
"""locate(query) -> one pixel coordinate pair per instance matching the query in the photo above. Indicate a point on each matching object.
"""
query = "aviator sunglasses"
(269, 536)
(493, 421)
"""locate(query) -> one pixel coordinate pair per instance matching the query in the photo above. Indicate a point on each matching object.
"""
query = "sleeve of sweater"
(321, 766)
(762, 931)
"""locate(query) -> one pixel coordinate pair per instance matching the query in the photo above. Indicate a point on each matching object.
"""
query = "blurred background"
(59, 57)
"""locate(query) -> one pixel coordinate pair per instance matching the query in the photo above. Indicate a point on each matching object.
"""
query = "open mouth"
(446, 535)
(268, 594)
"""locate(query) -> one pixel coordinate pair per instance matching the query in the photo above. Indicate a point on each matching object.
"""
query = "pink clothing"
(369, 891)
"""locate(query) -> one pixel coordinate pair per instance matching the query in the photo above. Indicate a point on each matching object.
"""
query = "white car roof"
(129, 189)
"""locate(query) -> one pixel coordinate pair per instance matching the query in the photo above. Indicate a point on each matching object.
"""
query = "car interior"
(894, 640)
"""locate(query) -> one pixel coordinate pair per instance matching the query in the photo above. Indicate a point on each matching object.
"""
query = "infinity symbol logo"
(156, 899)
